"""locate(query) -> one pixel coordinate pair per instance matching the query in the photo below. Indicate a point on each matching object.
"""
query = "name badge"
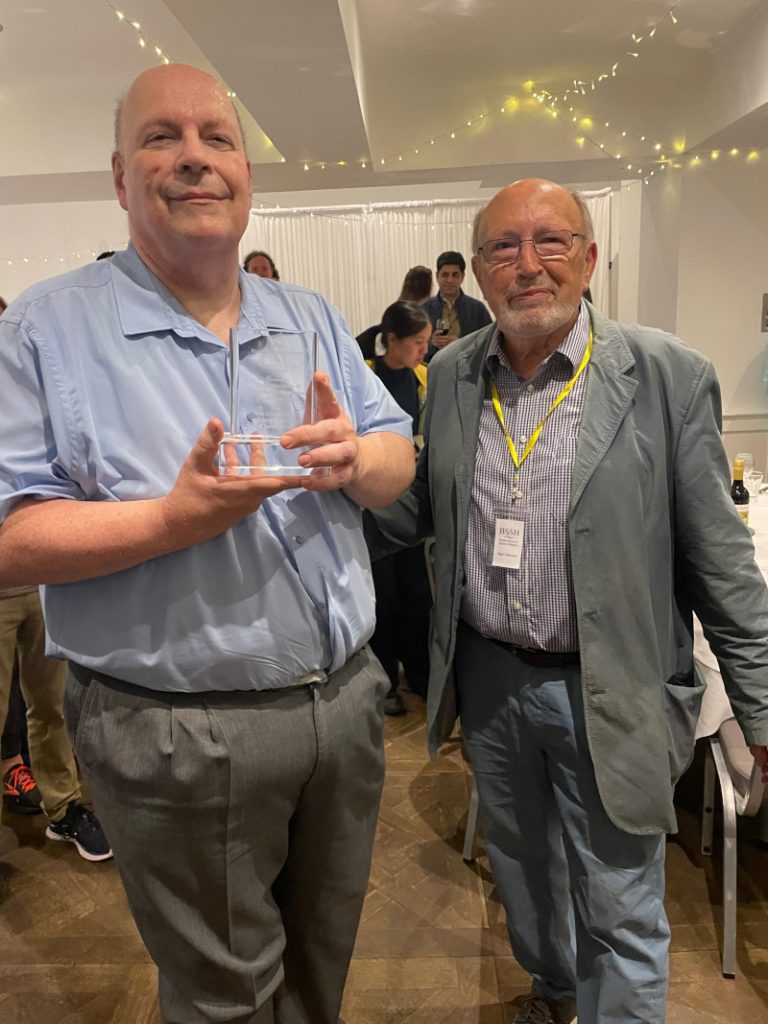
(508, 544)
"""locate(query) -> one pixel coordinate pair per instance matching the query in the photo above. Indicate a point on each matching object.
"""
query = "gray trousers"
(242, 826)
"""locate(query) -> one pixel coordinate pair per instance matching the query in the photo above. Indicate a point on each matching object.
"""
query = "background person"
(38, 683)
(226, 711)
(42, 681)
(20, 791)
(262, 264)
(453, 314)
(576, 484)
(403, 598)
(416, 287)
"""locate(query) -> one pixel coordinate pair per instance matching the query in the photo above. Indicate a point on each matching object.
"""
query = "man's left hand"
(760, 754)
(333, 441)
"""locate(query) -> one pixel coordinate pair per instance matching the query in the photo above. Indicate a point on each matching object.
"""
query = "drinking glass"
(748, 460)
(753, 481)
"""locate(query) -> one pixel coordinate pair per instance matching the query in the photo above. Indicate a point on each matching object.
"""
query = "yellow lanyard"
(519, 460)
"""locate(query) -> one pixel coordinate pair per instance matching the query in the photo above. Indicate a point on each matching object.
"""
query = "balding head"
(534, 257)
(530, 186)
(149, 76)
(181, 171)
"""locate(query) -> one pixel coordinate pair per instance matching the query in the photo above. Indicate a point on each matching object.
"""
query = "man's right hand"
(202, 503)
(441, 340)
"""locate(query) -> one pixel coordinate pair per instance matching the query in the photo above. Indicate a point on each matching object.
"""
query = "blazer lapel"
(608, 399)
(471, 385)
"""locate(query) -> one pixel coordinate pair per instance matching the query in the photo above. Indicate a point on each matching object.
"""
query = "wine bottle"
(739, 492)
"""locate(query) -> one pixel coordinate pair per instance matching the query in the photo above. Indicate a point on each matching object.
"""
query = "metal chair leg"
(470, 833)
(729, 862)
(708, 809)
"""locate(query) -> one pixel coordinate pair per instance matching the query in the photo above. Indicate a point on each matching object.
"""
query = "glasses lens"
(500, 250)
(546, 243)
(552, 243)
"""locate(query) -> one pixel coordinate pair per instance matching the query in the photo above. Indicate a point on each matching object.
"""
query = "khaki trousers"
(42, 685)
(242, 825)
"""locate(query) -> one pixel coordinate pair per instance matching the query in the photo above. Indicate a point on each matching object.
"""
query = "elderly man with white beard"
(575, 481)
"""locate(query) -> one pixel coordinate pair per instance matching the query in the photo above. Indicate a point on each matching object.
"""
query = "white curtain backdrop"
(357, 256)
(599, 204)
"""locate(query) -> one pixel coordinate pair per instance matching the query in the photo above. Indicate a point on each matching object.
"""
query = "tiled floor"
(431, 949)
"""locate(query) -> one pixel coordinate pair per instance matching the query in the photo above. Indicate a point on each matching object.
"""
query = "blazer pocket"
(682, 704)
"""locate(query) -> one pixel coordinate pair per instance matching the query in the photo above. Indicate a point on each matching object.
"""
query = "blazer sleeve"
(716, 566)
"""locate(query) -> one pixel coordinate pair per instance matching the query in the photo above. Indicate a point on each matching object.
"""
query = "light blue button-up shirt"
(106, 384)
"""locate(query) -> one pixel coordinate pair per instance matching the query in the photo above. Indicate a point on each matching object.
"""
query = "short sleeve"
(31, 458)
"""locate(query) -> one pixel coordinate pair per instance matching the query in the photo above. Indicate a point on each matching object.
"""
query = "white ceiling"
(347, 82)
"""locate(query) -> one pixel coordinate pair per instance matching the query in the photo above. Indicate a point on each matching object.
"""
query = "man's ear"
(118, 178)
(590, 259)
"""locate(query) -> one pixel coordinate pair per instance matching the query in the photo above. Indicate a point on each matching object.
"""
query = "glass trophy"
(271, 390)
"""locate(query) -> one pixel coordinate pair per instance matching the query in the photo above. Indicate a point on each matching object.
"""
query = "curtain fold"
(357, 256)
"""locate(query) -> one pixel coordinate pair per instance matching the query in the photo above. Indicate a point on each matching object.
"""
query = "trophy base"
(258, 455)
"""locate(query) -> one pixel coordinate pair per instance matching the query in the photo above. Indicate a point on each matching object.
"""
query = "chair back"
(744, 771)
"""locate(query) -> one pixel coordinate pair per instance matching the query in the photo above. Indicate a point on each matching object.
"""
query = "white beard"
(534, 322)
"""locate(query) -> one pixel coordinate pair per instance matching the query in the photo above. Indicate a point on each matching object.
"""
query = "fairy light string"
(607, 138)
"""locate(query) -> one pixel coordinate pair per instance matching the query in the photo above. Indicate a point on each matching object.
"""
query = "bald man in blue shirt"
(224, 706)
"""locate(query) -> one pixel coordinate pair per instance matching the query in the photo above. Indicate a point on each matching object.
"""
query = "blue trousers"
(584, 900)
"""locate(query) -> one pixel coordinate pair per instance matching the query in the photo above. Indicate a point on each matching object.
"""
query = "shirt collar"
(145, 306)
(572, 347)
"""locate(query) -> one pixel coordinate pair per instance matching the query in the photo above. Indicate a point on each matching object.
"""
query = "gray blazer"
(653, 536)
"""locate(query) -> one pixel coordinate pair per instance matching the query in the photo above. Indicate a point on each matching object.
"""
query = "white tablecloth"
(716, 707)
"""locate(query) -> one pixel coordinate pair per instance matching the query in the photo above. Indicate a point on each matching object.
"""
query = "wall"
(54, 237)
(659, 251)
(722, 275)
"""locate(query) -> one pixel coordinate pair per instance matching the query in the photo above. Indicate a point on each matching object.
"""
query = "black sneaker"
(393, 704)
(81, 827)
(20, 792)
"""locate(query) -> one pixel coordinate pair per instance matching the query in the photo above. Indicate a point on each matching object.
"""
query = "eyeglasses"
(548, 245)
